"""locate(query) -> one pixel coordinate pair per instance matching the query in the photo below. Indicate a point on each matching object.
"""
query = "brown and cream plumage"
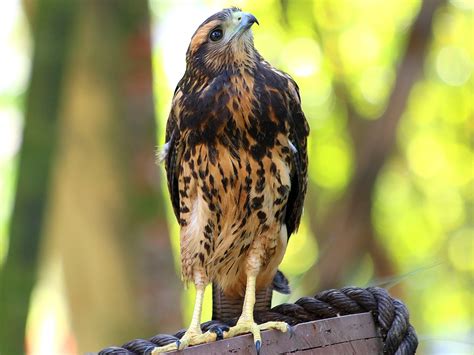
(236, 164)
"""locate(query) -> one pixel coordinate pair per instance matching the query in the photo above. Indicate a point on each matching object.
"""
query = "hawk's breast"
(234, 179)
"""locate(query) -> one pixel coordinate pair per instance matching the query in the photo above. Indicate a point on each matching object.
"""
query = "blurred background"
(88, 240)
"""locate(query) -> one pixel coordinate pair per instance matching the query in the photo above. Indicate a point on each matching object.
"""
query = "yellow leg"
(193, 335)
(246, 323)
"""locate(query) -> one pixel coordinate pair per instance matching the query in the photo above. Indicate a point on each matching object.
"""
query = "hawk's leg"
(246, 323)
(193, 335)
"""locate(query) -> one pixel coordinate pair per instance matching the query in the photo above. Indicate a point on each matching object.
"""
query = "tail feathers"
(225, 307)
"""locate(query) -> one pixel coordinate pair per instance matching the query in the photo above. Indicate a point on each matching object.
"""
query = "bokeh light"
(345, 56)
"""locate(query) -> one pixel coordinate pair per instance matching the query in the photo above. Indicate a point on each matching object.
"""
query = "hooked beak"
(247, 21)
(244, 21)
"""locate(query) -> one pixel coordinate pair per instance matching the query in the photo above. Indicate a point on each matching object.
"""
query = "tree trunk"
(52, 38)
(104, 222)
(107, 213)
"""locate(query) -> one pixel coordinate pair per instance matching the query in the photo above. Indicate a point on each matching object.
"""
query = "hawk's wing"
(173, 152)
(298, 132)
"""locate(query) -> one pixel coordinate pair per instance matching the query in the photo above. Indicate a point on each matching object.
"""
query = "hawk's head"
(222, 41)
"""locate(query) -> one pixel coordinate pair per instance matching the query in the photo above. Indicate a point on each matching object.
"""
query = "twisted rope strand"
(390, 315)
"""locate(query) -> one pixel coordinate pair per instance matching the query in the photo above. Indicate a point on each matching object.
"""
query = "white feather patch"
(162, 153)
(292, 147)
(197, 219)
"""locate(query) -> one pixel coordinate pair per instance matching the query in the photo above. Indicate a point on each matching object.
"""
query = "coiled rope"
(390, 315)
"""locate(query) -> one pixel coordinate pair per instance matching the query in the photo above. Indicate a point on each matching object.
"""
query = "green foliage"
(423, 196)
(422, 204)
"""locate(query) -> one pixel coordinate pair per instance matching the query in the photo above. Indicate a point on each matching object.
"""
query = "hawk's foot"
(243, 327)
(191, 337)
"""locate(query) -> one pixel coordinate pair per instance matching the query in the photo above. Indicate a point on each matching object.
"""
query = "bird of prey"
(236, 164)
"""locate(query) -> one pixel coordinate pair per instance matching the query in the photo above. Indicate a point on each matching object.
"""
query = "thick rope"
(390, 315)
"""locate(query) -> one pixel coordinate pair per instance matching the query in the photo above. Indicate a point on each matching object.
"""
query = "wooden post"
(352, 334)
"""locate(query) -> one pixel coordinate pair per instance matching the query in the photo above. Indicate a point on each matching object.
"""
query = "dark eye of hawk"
(216, 34)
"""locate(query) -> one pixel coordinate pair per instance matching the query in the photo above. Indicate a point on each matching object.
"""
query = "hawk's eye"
(216, 35)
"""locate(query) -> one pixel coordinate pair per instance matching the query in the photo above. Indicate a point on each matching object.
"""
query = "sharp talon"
(219, 334)
(219, 331)
(258, 346)
(291, 331)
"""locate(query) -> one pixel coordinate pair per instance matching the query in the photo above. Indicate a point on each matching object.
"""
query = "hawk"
(236, 164)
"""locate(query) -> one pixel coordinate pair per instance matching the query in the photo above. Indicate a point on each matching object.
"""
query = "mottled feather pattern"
(236, 163)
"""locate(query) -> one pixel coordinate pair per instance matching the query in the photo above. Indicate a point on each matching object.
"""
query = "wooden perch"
(352, 334)
(317, 328)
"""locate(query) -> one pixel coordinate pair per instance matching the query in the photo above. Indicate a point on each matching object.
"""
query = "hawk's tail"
(224, 307)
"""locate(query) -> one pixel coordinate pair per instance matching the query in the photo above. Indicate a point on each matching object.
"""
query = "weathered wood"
(352, 334)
